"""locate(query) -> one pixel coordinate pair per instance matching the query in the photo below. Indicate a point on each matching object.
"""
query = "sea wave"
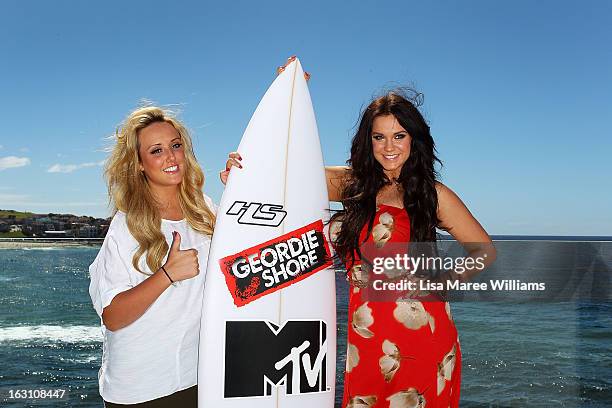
(50, 333)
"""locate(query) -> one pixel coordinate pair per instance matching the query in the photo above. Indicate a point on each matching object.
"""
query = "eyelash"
(174, 146)
(396, 137)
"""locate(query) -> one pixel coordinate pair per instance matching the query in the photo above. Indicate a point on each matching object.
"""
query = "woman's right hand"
(232, 161)
(181, 264)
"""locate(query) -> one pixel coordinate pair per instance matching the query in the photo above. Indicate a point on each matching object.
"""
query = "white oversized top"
(156, 355)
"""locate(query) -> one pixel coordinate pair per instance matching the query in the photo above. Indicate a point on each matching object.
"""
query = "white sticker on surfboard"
(268, 333)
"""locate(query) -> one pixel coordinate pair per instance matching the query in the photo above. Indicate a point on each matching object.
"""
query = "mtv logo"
(260, 355)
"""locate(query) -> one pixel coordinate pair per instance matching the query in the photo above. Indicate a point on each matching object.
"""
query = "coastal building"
(53, 225)
(55, 234)
(88, 231)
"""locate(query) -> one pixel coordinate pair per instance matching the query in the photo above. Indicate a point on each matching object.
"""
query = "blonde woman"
(147, 280)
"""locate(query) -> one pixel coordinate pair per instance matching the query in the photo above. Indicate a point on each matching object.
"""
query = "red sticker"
(275, 264)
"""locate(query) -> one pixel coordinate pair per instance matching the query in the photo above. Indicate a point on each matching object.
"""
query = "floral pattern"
(359, 276)
(445, 368)
(412, 314)
(404, 353)
(409, 398)
(381, 233)
(352, 357)
(362, 319)
(360, 401)
(390, 362)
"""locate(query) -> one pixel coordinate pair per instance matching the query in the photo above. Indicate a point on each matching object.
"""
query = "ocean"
(518, 351)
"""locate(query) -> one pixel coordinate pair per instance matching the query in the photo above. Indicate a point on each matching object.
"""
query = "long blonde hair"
(129, 190)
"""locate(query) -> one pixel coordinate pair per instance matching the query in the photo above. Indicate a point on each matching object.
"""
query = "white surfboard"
(268, 334)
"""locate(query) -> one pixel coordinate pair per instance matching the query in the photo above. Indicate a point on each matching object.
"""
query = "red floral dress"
(400, 354)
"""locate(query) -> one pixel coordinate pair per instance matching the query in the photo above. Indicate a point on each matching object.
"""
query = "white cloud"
(62, 168)
(25, 199)
(13, 161)
(13, 198)
(23, 202)
(69, 168)
(70, 204)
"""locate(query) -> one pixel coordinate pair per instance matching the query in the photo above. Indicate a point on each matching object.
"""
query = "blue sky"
(518, 94)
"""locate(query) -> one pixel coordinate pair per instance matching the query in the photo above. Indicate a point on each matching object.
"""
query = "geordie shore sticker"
(275, 264)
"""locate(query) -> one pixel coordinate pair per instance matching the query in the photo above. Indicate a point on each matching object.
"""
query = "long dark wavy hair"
(366, 176)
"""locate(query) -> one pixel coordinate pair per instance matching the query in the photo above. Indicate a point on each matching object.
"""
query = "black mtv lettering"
(260, 355)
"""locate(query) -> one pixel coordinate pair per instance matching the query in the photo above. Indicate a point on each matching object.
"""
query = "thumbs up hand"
(181, 264)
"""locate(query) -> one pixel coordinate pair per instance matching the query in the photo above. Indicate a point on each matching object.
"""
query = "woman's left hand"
(234, 159)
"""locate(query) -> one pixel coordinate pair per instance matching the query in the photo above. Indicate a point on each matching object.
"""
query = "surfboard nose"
(292, 63)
